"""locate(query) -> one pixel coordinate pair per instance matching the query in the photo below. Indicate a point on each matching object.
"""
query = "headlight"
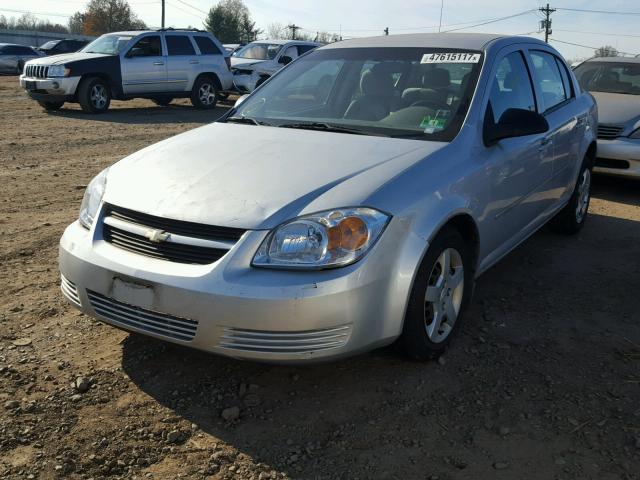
(635, 133)
(334, 238)
(58, 71)
(92, 198)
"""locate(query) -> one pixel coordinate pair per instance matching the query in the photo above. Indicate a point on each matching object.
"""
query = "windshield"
(400, 92)
(258, 51)
(107, 44)
(612, 77)
(50, 44)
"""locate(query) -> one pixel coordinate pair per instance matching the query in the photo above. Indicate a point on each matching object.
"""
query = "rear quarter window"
(206, 46)
(179, 45)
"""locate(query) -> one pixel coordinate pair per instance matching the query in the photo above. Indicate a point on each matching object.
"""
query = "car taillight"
(228, 60)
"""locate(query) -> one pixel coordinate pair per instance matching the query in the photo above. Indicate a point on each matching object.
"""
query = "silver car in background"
(348, 203)
(13, 57)
(615, 84)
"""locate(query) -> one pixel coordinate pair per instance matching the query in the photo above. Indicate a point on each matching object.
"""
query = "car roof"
(614, 59)
(284, 42)
(465, 41)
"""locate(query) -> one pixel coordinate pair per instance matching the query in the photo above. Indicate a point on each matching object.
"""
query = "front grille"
(612, 163)
(167, 250)
(284, 342)
(37, 71)
(609, 132)
(69, 290)
(129, 316)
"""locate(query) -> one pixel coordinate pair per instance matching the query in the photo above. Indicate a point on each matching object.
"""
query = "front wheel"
(571, 218)
(204, 94)
(51, 106)
(441, 293)
(94, 95)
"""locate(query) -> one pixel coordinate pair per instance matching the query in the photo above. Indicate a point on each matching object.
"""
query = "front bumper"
(50, 89)
(619, 157)
(232, 309)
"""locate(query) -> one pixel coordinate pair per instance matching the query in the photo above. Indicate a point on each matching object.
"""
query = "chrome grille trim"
(284, 342)
(609, 132)
(183, 242)
(129, 316)
(37, 71)
(70, 290)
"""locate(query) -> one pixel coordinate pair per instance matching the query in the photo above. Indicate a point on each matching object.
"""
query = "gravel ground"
(542, 383)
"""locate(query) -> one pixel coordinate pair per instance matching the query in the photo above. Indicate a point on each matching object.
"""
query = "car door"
(8, 58)
(143, 67)
(182, 62)
(566, 124)
(519, 168)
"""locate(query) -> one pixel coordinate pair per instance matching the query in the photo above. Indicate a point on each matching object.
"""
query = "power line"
(584, 10)
(191, 6)
(33, 13)
(492, 21)
(586, 46)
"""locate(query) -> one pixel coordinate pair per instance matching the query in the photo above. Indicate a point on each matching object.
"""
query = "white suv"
(254, 63)
(157, 64)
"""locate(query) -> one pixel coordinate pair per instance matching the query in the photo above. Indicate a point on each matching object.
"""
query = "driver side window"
(147, 47)
(511, 86)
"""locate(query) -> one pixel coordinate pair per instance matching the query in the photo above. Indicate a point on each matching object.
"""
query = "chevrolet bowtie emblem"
(156, 236)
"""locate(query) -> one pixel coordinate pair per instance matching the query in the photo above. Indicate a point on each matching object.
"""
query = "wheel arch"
(114, 89)
(214, 76)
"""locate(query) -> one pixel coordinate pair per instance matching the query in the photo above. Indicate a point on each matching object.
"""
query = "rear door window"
(179, 45)
(147, 47)
(206, 46)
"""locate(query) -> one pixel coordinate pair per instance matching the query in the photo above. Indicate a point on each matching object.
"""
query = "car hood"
(245, 62)
(617, 108)
(66, 58)
(256, 177)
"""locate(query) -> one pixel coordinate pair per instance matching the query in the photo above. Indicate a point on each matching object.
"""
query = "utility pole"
(441, 9)
(386, 31)
(294, 28)
(162, 23)
(546, 23)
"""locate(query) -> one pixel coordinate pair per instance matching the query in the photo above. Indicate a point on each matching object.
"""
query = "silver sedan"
(349, 202)
(615, 84)
(13, 57)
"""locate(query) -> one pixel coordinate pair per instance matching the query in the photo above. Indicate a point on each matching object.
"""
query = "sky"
(361, 18)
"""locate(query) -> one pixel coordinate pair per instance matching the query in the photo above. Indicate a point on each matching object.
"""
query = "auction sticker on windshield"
(451, 57)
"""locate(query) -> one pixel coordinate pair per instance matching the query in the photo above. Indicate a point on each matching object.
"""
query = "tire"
(436, 297)
(572, 217)
(162, 101)
(204, 94)
(94, 95)
(51, 106)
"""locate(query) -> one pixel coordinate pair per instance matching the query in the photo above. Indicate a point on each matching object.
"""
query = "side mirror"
(285, 60)
(514, 122)
(135, 52)
(240, 100)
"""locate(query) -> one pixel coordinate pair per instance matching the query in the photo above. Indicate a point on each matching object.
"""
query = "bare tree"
(277, 31)
(606, 51)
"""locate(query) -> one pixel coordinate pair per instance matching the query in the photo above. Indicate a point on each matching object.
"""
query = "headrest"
(377, 81)
(436, 78)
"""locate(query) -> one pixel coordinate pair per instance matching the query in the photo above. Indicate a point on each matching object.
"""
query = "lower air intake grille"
(609, 132)
(69, 290)
(129, 316)
(284, 342)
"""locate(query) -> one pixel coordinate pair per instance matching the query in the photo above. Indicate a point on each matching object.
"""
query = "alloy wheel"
(583, 195)
(207, 94)
(443, 297)
(99, 96)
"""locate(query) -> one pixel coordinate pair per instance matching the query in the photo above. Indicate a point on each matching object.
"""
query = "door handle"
(544, 143)
(158, 63)
(194, 62)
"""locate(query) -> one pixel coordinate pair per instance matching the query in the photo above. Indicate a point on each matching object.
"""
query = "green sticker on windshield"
(435, 123)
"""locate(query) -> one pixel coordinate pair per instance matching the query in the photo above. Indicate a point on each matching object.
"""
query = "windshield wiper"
(327, 127)
(246, 120)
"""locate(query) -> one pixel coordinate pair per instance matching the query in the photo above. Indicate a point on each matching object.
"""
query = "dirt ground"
(542, 383)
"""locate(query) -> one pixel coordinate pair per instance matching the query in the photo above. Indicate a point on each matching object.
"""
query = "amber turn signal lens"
(350, 234)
